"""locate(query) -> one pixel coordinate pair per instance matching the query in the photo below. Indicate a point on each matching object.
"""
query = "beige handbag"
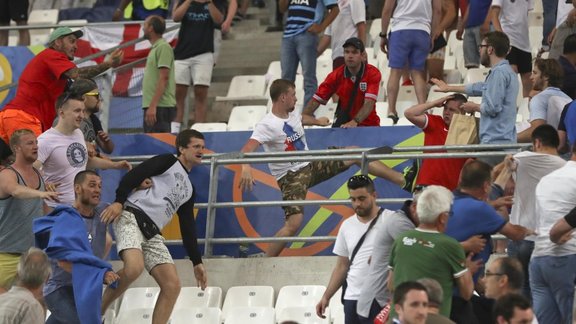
(463, 130)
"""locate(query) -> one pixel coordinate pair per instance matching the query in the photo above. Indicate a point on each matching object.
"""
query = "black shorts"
(164, 118)
(16, 10)
(523, 60)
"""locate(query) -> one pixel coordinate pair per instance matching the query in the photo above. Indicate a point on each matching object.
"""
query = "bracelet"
(382, 35)
(357, 120)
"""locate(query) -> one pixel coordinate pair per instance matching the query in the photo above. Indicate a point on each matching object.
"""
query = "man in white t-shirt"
(281, 130)
(349, 245)
(62, 150)
(527, 168)
(547, 78)
(511, 18)
(350, 22)
(553, 265)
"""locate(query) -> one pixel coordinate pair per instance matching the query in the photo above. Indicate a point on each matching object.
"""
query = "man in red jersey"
(442, 172)
(45, 78)
(356, 81)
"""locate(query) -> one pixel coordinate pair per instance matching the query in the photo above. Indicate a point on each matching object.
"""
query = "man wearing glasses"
(499, 92)
(353, 247)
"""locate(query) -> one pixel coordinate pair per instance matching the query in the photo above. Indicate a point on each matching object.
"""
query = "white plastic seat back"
(298, 296)
(302, 315)
(135, 316)
(138, 298)
(210, 127)
(247, 86)
(245, 117)
(250, 315)
(196, 297)
(247, 296)
(196, 315)
(476, 75)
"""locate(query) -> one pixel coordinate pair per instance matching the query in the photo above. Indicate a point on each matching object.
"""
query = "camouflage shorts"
(294, 185)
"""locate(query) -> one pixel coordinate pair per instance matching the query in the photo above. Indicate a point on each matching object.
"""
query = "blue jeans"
(62, 307)
(350, 314)
(302, 49)
(549, 7)
(522, 250)
(552, 284)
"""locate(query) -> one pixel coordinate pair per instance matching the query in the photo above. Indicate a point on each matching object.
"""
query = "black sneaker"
(394, 118)
(410, 175)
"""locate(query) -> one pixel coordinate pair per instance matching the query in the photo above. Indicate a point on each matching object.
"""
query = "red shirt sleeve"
(328, 87)
(59, 63)
(373, 79)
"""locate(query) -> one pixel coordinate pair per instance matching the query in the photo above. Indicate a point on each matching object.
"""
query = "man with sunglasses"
(281, 130)
(353, 247)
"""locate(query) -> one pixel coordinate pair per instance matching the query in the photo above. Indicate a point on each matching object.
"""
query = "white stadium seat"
(250, 315)
(298, 296)
(302, 315)
(247, 86)
(476, 75)
(135, 316)
(247, 296)
(138, 298)
(196, 297)
(245, 117)
(196, 315)
(210, 127)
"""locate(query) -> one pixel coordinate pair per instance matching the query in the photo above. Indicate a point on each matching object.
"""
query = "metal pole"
(106, 95)
(211, 212)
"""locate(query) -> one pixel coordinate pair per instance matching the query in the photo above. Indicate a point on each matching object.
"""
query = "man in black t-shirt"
(194, 53)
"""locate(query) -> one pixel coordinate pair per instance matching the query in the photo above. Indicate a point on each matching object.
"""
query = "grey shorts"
(470, 45)
(129, 236)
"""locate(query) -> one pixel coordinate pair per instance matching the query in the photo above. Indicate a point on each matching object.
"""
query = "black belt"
(145, 223)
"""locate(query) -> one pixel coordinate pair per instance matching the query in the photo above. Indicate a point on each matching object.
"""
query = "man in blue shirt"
(471, 215)
(300, 40)
(499, 92)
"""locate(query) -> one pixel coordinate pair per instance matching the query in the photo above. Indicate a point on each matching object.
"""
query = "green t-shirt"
(161, 56)
(418, 254)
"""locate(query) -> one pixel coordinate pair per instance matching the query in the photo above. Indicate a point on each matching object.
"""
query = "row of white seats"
(238, 315)
(292, 301)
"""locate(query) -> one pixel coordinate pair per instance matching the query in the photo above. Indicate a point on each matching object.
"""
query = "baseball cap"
(64, 31)
(356, 42)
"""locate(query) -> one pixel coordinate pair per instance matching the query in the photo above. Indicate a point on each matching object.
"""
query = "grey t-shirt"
(374, 286)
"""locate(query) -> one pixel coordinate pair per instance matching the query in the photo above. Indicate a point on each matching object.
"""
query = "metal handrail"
(234, 158)
(97, 24)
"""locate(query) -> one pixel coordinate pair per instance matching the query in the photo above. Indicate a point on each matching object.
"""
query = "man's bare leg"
(200, 102)
(392, 89)
(420, 87)
(290, 228)
(167, 278)
(24, 34)
(181, 93)
(133, 267)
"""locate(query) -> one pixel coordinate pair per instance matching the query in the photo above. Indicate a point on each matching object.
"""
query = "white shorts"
(129, 236)
(196, 70)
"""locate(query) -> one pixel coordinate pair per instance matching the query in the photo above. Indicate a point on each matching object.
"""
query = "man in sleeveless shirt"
(22, 190)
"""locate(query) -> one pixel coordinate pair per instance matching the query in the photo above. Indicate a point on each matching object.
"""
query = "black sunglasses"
(359, 181)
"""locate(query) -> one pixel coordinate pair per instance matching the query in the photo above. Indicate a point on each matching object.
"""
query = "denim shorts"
(408, 48)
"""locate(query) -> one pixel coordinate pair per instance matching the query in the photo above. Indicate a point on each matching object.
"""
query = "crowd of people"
(419, 264)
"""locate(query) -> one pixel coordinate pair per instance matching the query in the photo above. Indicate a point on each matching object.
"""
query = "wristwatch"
(382, 35)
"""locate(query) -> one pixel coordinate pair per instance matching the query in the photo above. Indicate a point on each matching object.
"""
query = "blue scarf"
(62, 235)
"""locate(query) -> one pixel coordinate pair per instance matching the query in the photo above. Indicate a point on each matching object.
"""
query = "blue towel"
(62, 234)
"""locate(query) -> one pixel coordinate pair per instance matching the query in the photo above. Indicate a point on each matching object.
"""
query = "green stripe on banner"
(342, 193)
